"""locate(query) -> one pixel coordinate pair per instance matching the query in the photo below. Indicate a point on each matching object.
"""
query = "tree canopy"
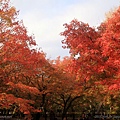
(31, 83)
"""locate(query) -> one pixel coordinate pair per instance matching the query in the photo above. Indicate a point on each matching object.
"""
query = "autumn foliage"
(87, 79)
(97, 48)
(19, 62)
(96, 58)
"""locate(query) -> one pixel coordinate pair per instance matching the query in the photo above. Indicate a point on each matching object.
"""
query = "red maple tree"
(98, 49)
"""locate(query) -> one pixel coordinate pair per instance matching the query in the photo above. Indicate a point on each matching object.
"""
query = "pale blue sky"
(45, 19)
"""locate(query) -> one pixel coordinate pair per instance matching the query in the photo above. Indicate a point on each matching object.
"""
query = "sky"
(45, 19)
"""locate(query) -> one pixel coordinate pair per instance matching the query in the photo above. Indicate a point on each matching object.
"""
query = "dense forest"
(89, 83)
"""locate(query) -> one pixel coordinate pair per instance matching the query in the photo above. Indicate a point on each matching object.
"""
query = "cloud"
(45, 19)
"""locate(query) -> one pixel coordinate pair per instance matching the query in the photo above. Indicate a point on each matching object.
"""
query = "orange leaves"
(12, 11)
(23, 105)
(20, 61)
(17, 47)
(7, 13)
(24, 88)
(26, 74)
(6, 100)
(110, 46)
(113, 22)
(114, 87)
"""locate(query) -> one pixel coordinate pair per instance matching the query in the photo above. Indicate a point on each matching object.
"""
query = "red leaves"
(9, 101)
(6, 100)
(79, 37)
(24, 88)
(114, 87)
(110, 45)
(26, 74)
(20, 61)
(99, 50)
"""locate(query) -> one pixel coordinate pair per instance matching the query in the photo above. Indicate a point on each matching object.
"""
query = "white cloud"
(46, 20)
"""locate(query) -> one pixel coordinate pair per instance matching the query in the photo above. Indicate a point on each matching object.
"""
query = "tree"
(110, 47)
(98, 52)
(66, 88)
(20, 61)
(98, 49)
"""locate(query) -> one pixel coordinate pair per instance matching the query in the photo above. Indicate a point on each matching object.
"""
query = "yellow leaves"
(7, 13)
(12, 11)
